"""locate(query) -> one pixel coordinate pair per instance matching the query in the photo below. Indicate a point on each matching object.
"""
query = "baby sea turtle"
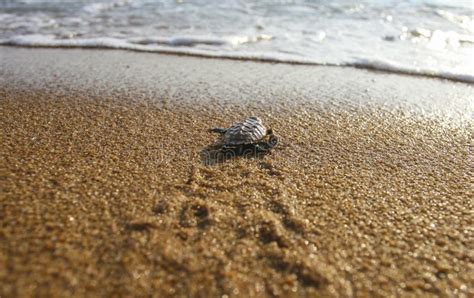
(247, 135)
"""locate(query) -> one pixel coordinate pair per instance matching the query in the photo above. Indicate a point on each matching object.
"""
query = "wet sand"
(106, 189)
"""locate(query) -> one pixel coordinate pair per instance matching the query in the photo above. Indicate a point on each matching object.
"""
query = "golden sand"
(110, 196)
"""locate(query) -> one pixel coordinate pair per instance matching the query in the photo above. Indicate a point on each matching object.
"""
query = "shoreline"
(364, 64)
(105, 191)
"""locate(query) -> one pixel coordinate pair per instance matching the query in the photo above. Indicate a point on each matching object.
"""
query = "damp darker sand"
(105, 190)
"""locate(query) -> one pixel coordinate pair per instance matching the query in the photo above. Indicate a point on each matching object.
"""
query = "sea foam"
(186, 45)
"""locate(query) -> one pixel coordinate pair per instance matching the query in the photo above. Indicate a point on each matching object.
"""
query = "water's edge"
(116, 44)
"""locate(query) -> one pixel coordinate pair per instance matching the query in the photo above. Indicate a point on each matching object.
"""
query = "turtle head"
(272, 141)
(267, 146)
(255, 118)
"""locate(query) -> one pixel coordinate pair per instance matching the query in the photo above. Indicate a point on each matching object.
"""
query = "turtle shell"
(249, 131)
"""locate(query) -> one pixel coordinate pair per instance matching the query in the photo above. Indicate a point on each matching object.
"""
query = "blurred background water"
(434, 37)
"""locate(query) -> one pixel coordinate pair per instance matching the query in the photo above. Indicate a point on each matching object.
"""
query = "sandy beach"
(107, 190)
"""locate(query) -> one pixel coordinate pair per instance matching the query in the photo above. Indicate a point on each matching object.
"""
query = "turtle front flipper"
(218, 130)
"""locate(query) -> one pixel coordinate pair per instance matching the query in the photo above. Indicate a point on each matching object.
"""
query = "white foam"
(190, 41)
(178, 41)
(96, 8)
(390, 66)
(185, 45)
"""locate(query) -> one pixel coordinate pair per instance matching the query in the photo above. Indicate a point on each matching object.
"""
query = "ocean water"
(433, 37)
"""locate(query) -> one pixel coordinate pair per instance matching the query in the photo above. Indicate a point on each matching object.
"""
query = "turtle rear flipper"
(218, 130)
